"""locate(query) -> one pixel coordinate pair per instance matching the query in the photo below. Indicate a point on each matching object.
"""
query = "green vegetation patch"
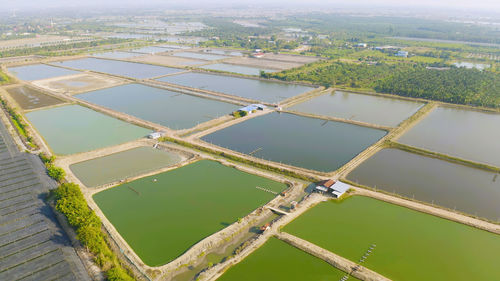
(455, 85)
(4, 79)
(278, 261)
(69, 201)
(409, 245)
(162, 216)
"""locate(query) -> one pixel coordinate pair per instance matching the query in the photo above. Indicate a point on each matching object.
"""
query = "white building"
(156, 135)
(336, 189)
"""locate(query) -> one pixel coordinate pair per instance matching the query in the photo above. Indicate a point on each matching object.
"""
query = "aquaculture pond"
(171, 109)
(162, 216)
(365, 108)
(39, 71)
(295, 140)
(28, 98)
(278, 261)
(122, 68)
(116, 55)
(260, 90)
(453, 186)
(224, 52)
(410, 246)
(150, 50)
(462, 133)
(247, 70)
(200, 56)
(121, 165)
(72, 129)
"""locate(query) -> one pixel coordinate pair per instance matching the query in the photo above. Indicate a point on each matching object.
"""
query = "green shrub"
(56, 173)
(239, 113)
(71, 202)
(116, 273)
(46, 159)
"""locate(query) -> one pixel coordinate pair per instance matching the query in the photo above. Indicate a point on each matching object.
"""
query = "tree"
(56, 173)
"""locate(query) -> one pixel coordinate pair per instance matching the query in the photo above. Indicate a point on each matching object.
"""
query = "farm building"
(249, 109)
(403, 54)
(156, 135)
(332, 187)
(257, 53)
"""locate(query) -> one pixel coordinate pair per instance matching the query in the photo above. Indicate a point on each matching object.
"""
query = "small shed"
(339, 188)
(156, 135)
(249, 109)
(336, 189)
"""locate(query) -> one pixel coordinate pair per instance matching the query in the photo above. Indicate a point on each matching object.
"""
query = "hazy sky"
(490, 5)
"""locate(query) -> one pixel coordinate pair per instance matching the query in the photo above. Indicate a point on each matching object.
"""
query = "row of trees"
(70, 202)
(454, 85)
(18, 122)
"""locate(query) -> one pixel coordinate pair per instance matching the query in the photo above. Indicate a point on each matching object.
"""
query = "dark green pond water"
(162, 216)
(410, 246)
(278, 261)
(299, 141)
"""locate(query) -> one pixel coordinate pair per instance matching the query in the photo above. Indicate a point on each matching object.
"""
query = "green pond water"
(122, 68)
(171, 109)
(453, 186)
(296, 140)
(462, 133)
(260, 90)
(221, 255)
(365, 108)
(410, 246)
(162, 216)
(278, 261)
(125, 164)
(73, 129)
(39, 71)
(247, 70)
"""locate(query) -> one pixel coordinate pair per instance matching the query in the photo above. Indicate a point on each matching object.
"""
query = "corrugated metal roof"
(340, 187)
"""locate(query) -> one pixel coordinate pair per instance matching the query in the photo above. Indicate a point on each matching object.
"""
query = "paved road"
(32, 244)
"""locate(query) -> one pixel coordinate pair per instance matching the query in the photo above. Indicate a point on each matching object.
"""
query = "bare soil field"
(28, 98)
(167, 60)
(263, 63)
(78, 83)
